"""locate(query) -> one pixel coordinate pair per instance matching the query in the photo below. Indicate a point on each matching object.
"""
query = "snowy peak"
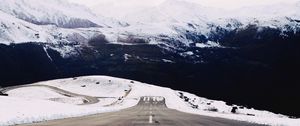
(189, 10)
(14, 30)
(163, 11)
(56, 12)
(52, 21)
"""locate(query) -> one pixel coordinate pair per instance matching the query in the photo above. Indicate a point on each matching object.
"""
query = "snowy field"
(37, 102)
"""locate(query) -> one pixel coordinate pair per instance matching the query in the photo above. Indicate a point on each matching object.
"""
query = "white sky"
(225, 4)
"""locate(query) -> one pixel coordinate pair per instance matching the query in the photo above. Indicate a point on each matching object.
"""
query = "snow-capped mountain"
(190, 23)
(14, 30)
(179, 26)
(172, 24)
(181, 9)
(54, 22)
(56, 12)
(171, 11)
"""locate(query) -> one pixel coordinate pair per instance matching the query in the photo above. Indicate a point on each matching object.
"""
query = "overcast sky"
(227, 4)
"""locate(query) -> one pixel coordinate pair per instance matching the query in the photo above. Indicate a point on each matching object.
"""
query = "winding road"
(87, 99)
(150, 111)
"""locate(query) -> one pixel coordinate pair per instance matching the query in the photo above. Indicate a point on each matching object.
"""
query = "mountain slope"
(171, 24)
(14, 30)
(187, 24)
(56, 12)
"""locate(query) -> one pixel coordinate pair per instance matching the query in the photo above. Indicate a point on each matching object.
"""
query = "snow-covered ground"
(28, 110)
(34, 103)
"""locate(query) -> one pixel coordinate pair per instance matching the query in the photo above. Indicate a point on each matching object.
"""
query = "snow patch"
(126, 57)
(45, 49)
(167, 61)
(209, 44)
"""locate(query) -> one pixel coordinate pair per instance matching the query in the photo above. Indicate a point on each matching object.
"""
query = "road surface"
(150, 111)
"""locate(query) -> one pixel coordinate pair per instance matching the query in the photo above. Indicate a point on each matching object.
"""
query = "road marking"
(150, 119)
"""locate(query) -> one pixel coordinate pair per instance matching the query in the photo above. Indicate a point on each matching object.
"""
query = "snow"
(170, 18)
(22, 110)
(65, 51)
(94, 86)
(209, 44)
(14, 30)
(189, 11)
(43, 93)
(202, 45)
(58, 12)
(188, 53)
(167, 61)
(126, 57)
(47, 54)
(34, 92)
(38, 101)
(31, 21)
(205, 107)
(166, 19)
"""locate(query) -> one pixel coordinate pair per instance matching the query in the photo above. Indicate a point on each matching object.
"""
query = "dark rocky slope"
(260, 72)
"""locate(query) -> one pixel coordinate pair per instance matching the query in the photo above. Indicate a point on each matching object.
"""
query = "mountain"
(171, 24)
(55, 22)
(14, 30)
(56, 12)
(187, 24)
(182, 45)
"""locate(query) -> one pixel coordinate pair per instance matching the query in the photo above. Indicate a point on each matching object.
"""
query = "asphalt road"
(150, 111)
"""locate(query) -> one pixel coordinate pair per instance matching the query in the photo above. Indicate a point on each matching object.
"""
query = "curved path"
(87, 99)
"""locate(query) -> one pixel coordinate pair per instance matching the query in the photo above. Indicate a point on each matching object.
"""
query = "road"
(87, 99)
(150, 111)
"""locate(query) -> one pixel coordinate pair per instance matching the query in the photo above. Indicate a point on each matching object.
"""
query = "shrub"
(234, 109)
